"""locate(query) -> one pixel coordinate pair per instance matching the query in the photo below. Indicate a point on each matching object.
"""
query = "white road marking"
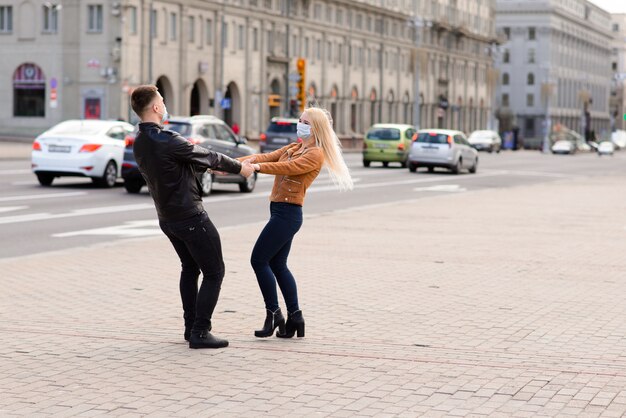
(41, 196)
(143, 228)
(12, 208)
(17, 171)
(451, 188)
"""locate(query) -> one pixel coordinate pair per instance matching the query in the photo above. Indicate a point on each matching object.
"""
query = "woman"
(295, 167)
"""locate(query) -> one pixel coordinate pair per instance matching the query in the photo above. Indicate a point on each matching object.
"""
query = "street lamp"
(417, 23)
(547, 88)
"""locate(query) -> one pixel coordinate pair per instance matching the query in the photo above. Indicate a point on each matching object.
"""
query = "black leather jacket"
(169, 163)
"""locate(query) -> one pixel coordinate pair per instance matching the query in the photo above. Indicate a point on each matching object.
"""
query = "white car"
(563, 147)
(485, 141)
(606, 148)
(442, 148)
(619, 138)
(85, 148)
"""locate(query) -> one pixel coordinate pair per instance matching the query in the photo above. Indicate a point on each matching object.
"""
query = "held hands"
(246, 169)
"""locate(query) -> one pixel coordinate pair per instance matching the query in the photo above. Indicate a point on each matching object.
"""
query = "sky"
(612, 6)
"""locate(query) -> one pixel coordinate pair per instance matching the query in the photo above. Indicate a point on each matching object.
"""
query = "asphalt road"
(73, 213)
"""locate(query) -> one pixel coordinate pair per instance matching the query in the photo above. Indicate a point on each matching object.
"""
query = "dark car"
(206, 131)
(280, 132)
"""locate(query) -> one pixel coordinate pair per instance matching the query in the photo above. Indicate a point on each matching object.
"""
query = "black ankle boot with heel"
(294, 325)
(273, 320)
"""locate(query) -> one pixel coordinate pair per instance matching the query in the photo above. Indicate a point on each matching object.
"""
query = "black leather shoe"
(273, 320)
(295, 324)
(204, 339)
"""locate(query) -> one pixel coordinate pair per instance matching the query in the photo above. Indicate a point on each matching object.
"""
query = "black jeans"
(199, 248)
(269, 256)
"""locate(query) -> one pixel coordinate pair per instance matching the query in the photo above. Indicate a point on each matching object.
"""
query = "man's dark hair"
(142, 96)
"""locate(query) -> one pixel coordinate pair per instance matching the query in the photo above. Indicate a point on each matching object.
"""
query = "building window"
(614, 66)
(255, 39)
(359, 21)
(132, 17)
(530, 127)
(95, 18)
(317, 12)
(209, 32)
(530, 100)
(532, 34)
(329, 13)
(615, 27)
(339, 17)
(505, 100)
(319, 49)
(505, 79)
(50, 18)
(153, 23)
(225, 35)
(340, 54)
(506, 56)
(507, 33)
(530, 79)
(242, 37)
(349, 16)
(172, 26)
(306, 47)
(192, 29)
(268, 4)
(531, 56)
(29, 91)
(6, 19)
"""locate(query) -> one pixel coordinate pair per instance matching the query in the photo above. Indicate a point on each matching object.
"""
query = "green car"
(387, 143)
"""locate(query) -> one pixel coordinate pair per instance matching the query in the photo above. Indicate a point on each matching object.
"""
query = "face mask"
(165, 115)
(303, 130)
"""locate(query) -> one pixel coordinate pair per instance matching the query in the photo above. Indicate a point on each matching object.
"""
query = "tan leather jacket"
(295, 167)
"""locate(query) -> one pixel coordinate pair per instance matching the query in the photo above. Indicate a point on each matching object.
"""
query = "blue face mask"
(303, 130)
(165, 115)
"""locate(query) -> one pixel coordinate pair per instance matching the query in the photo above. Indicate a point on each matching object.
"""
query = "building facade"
(237, 59)
(553, 66)
(618, 69)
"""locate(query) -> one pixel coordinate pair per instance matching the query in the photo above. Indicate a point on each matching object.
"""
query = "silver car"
(442, 148)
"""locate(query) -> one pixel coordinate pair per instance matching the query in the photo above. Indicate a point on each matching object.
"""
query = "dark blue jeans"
(269, 256)
(199, 248)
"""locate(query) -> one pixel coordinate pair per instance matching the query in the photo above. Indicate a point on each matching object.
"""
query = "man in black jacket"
(169, 164)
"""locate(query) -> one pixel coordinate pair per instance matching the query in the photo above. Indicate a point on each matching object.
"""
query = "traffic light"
(273, 100)
(300, 84)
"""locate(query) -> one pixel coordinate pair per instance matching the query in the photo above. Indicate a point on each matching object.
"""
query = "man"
(170, 164)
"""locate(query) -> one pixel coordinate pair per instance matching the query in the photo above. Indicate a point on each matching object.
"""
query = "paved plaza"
(501, 302)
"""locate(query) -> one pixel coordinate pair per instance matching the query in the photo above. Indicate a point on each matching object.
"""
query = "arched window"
(505, 79)
(29, 91)
(530, 79)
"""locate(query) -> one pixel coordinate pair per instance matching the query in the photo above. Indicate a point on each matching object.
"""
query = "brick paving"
(501, 302)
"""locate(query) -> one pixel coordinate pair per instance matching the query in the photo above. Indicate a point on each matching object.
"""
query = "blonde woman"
(295, 166)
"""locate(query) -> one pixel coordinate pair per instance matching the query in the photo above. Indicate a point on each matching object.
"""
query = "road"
(73, 213)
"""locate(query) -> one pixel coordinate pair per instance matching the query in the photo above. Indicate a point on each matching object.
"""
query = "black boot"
(204, 339)
(295, 324)
(272, 321)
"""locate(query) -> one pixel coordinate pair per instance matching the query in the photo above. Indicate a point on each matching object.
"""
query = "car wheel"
(412, 167)
(490, 149)
(108, 177)
(133, 186)
(366, 163)
(474, 167)
(45, 179)
(385, 164)
(431, 169)
(457, 167)
(499, 149)
(248, 185)
(206, 182)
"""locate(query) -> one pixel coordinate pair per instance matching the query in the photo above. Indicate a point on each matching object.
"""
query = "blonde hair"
(325, 138)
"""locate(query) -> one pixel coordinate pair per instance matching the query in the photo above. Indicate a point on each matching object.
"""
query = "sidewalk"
(503, 302)
(15, 150)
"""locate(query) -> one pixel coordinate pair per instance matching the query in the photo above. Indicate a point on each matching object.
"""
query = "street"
(494, 294)
(75, 213)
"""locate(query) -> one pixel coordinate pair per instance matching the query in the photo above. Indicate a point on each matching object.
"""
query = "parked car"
(206, 131)
(442, 148)
(619, 138)
(606, 148)
(280, 132)
(485, 141)
(563, 147)
(84, 148)
(387, 143)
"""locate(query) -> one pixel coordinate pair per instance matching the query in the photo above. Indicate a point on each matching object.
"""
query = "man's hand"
(246, 169)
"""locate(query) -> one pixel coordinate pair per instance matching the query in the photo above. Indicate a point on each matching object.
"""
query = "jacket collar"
(149, 125)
